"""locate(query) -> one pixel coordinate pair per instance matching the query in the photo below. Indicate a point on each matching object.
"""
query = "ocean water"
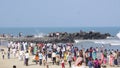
(36, 30)
(87, 45)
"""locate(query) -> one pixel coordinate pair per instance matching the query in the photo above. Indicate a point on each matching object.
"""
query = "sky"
(59, 13)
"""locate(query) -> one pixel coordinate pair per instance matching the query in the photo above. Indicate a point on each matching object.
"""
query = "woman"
(79, 63)
(102, 56)
(94, 54)
(111, 59)
(96, 63)
(44, 59)
(36, 58)
(86, 56)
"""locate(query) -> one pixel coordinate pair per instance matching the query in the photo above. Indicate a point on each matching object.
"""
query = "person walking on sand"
(3, 54)
(111, 59)
(63, 63)
(36, 58)
(69, 59)
(8, 54)
(14, 52)
(54, 57)
(40, 58)
(26, 58)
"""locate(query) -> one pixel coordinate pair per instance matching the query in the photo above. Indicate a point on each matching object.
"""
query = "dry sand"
(8, 63)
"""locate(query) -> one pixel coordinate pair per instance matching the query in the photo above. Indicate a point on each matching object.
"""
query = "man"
(69, 59)
(40, 58)
(26, 58)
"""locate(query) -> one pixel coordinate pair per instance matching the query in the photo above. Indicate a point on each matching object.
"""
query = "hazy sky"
(59, 13)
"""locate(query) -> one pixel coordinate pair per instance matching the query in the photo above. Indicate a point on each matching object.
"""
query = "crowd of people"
(62, 54)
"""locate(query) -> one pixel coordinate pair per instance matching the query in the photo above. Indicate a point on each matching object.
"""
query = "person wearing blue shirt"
(40, 58)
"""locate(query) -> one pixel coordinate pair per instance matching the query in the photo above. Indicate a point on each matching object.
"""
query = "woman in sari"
(78, 63)
(111, 59)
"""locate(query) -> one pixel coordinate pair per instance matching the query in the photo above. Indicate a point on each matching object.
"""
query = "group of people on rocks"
(44, 53)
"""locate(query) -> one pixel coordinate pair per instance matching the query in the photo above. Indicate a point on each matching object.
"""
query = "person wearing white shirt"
(26, 58)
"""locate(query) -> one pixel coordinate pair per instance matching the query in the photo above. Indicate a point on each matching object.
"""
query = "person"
(40, 58)
(21, 55)
(90, 63)
(36, 58)
(60, 53)
(44, 59)
(63, 63)
(100, 63)
(14, 52)
(111, 59)
(69, 59)
(57, 59)
(91, 50)
(3, 54)
(54, 57)
(102, 56)
(115, 58)
(118, 59)
(96, 63)
(79, 63)
(8, 54)
(86, 56)
(94, 54)
(26, 58)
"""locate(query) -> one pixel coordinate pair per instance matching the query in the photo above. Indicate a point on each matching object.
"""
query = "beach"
(8, 63)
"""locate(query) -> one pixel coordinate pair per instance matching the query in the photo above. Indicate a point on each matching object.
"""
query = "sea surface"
(36, 30)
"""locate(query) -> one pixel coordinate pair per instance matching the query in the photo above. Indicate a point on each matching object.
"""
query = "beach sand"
(8, 63)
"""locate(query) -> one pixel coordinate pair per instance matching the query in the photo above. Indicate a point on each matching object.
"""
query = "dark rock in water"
(29, 36)
(60, 37)
(70, 37)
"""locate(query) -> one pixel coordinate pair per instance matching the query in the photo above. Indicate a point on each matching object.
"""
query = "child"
(3, 54)
(63, 63)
